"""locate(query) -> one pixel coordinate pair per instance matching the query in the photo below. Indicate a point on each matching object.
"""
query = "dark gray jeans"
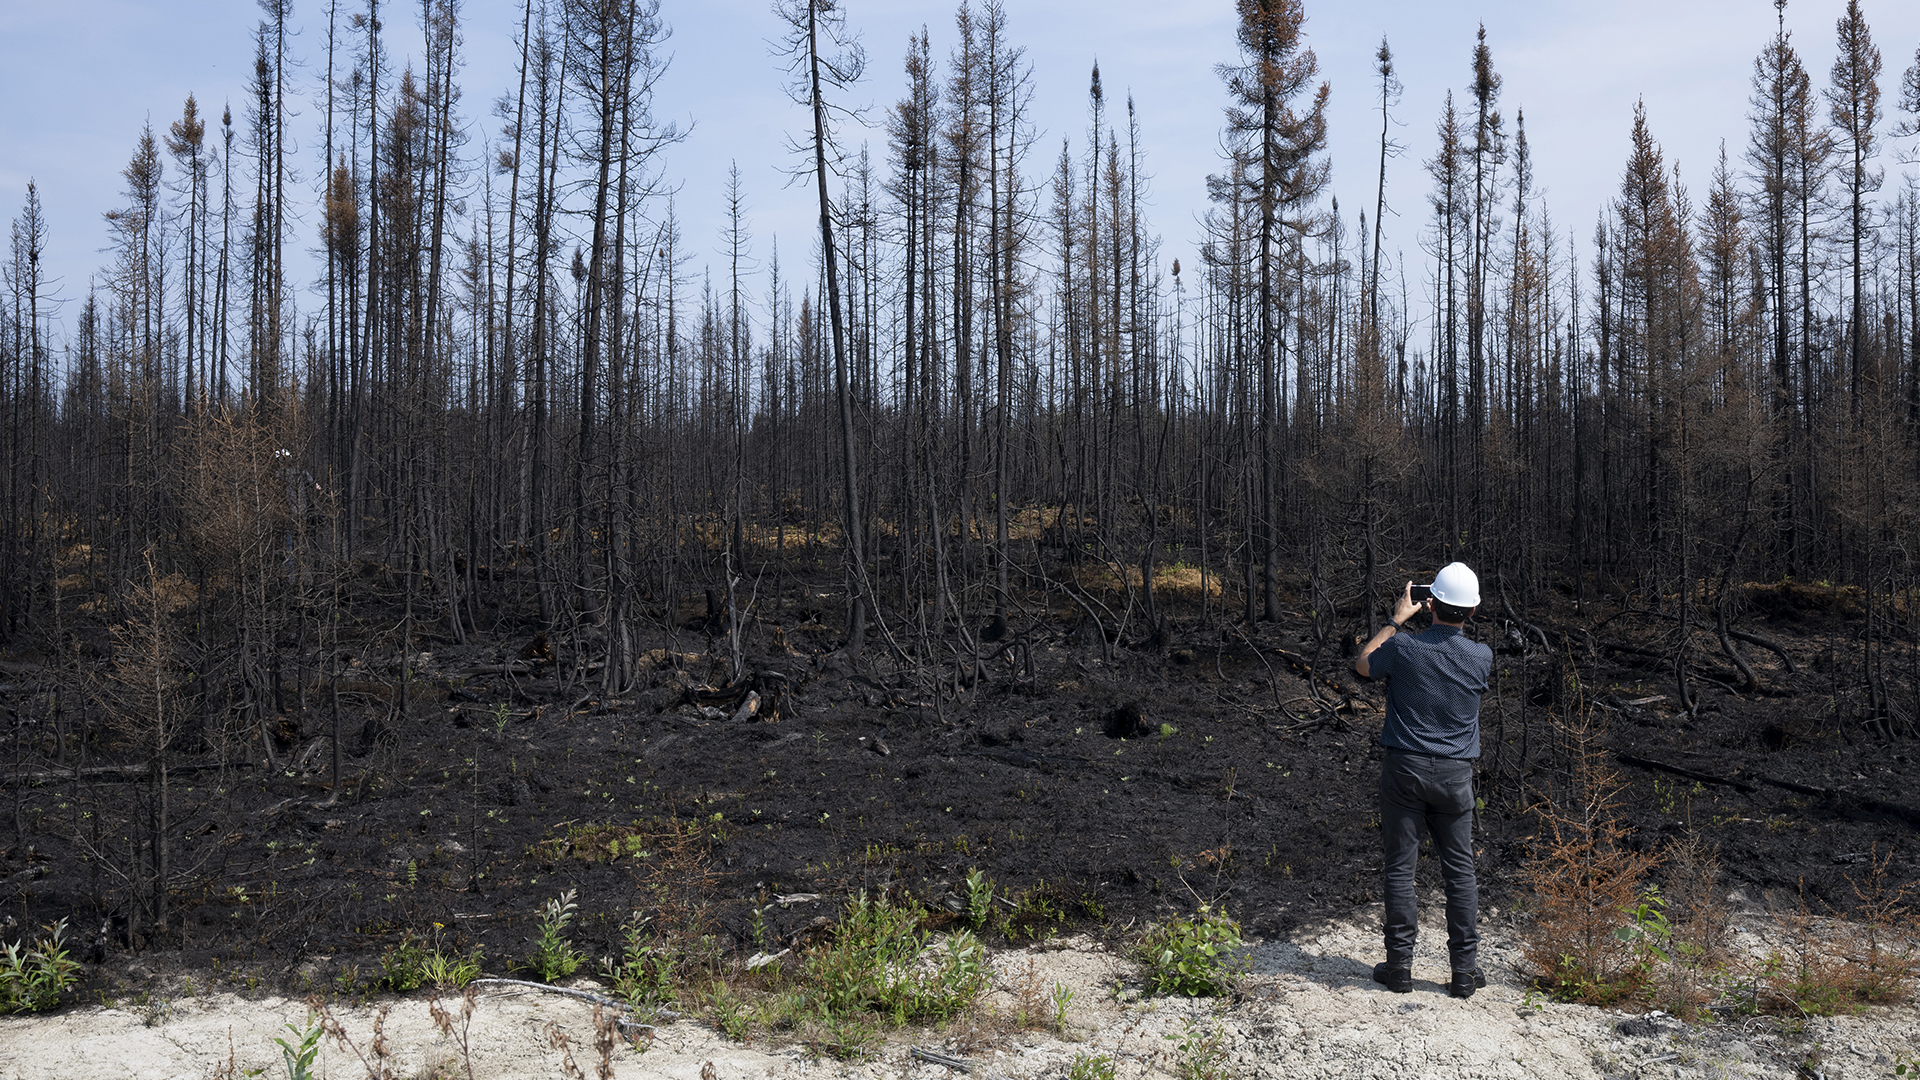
(1436, 791)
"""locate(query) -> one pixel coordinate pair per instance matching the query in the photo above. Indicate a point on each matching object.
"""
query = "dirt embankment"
(1309, 1011)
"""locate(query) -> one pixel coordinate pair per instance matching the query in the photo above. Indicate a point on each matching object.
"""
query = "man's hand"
(1404, 608)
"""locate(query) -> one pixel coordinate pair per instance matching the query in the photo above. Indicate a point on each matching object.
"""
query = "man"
(1431, 739)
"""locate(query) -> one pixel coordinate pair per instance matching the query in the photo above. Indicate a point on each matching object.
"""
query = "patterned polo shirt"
(1434, 682)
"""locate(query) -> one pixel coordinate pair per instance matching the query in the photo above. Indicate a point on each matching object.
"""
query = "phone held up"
(1422, 593)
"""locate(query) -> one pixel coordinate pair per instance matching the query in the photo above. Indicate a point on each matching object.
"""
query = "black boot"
(1397, 979)
(1464, 983)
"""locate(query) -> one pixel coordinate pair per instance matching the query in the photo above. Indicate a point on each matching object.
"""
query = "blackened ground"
(1246, 778)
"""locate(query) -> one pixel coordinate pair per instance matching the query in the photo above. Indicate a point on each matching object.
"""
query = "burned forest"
(410, 524)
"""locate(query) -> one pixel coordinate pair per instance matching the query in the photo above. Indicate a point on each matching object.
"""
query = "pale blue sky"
(79, 78)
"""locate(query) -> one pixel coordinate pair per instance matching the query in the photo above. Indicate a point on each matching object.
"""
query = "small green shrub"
(300, 1055)
(412, 964)
(643, 975)
(653, 966)
(1192, 956)
(1200, 1053)
(400, 966)
(979, 899)
(33, 978)
(554, 956)
(879, 961)
(844, 1037)
(1037, 913)
(785, 1010)
(451, 971)
(1091, 1067)
(729, 1013)
(1061, 997)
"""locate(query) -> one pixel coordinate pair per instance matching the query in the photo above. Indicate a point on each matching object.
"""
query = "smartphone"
(1422, 593)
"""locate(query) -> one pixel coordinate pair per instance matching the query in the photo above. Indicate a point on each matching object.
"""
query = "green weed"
(880, 961)
(728, 1011)
(979, 899)
(1192, 956)
(1036, 913)
(652, 966)
(1091, 1067)
(1200, 1053)
(300, 1054)
(1062, 997)
(554, 956)
(33, 978)
(413, 964)
(844, 1036)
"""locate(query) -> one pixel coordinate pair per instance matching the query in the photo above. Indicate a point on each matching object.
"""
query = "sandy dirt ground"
(1309, 1010)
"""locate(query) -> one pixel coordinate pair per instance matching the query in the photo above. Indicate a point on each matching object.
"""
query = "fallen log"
(1767, 643)
(583, 995)
(1678, 770)
(1845, 802)
(1799, 789)
(631, 1030)
(931, 1058)
(1747, 636)
(1635, 650)
(1307, 673)
(960, 1065)
(1842, 798)
(1694, 670)
(119, 772)
(1022, 759)
(516, 667)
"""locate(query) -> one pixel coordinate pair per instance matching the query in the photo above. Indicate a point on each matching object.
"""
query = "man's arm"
(1403, 609)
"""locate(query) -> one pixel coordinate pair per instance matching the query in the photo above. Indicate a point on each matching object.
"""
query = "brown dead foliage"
(1586, 883)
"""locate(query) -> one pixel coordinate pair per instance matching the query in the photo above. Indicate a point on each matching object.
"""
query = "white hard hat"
(1457, 585)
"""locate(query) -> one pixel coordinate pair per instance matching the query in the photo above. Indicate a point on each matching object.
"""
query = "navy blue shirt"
(1434, 682)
